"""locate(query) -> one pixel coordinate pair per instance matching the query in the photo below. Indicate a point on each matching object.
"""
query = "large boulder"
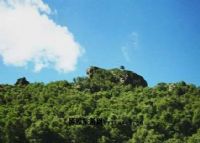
(22, 81)
(116, 75)
(129, 77)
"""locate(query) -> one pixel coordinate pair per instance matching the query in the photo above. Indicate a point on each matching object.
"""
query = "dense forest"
(106, 106)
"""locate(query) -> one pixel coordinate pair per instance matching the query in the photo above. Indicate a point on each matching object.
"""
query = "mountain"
(107, 106)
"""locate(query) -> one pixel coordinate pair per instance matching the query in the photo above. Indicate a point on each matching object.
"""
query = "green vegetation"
(131, 111)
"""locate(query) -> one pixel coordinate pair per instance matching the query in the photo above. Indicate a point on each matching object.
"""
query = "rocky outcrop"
(129, 77)
(117, 75)
(22, 81)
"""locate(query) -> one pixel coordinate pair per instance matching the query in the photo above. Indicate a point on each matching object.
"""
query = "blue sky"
(158, 39)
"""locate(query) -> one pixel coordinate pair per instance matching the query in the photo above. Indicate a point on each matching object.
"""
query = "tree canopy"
(100, 108)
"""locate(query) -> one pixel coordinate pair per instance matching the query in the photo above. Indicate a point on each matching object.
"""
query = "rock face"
(117, 75)
(22, 81)
(132, 78)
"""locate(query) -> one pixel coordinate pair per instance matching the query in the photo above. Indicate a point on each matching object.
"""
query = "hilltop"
(102, 79)
(107, 106)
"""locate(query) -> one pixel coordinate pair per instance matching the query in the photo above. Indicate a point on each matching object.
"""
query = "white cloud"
(28, 35)
(130, 46)
(125, 52)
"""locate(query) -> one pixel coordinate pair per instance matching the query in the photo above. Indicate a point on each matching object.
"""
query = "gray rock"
(117, 76)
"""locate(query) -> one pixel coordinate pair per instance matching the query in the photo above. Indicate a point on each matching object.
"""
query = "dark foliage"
(22, 81)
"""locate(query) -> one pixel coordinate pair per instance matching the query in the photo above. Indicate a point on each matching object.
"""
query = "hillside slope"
(104, 107)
